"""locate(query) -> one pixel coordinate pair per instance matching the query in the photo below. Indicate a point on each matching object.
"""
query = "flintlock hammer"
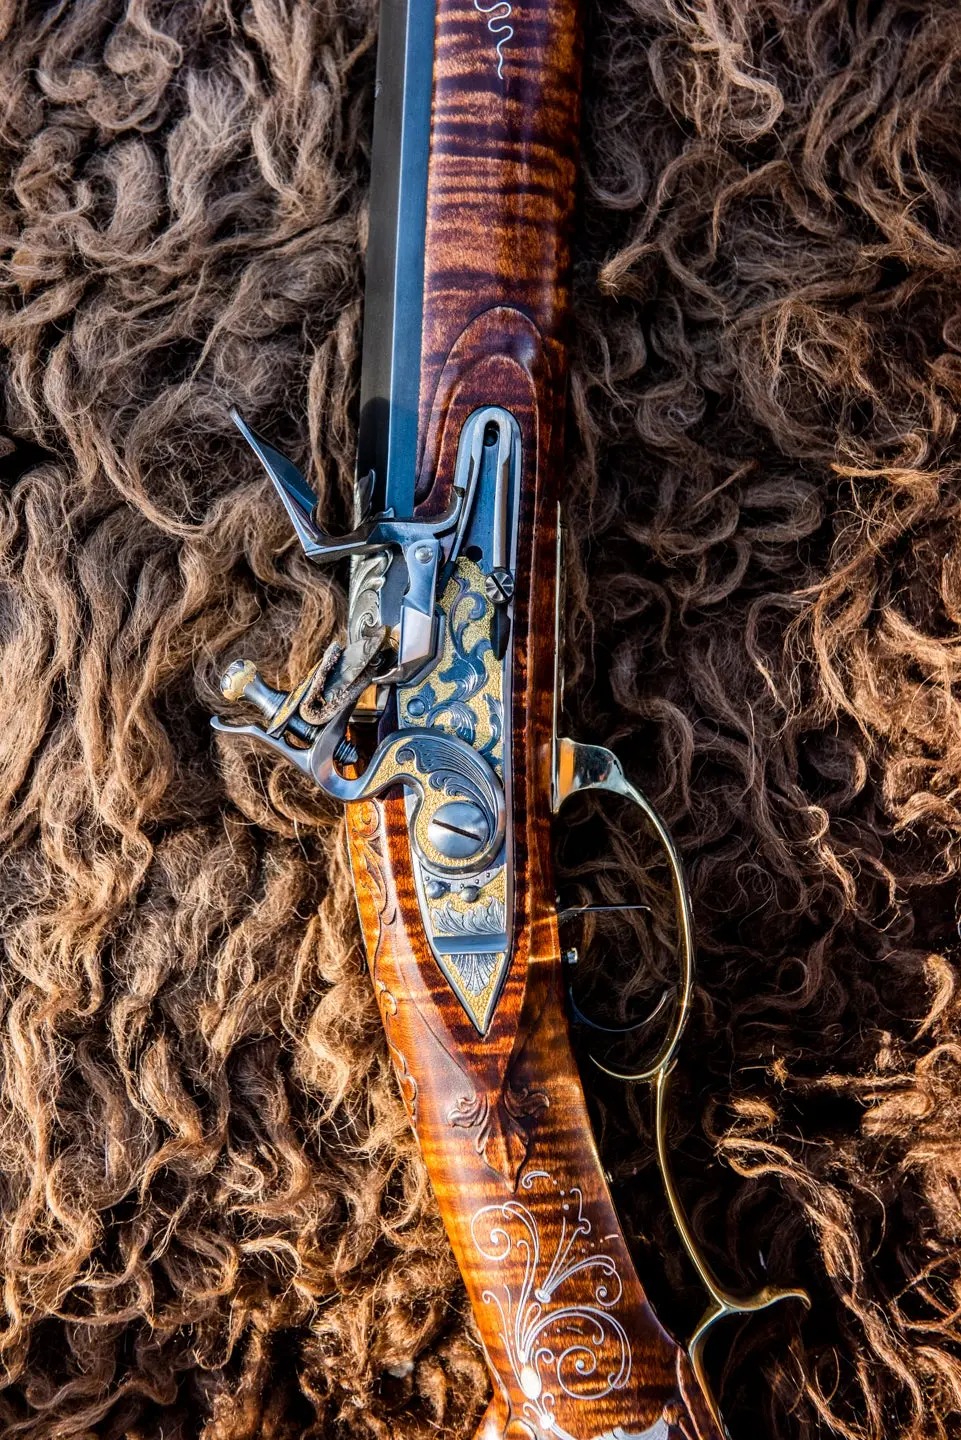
(435, 719)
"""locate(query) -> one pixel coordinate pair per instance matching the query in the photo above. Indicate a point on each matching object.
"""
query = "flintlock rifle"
(435, 720)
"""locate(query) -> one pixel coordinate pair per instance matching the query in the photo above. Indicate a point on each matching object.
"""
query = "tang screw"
(423, 553)
(570, 957)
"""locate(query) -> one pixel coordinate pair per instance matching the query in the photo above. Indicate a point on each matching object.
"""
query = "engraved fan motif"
(475, 970)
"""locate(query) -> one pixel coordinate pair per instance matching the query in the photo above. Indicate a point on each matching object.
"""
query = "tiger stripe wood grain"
(574, 1347)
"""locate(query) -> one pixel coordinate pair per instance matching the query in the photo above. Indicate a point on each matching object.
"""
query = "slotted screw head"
(499, 587)
(457, 830)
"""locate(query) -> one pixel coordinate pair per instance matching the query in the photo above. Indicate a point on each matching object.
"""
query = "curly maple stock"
(574, 1347)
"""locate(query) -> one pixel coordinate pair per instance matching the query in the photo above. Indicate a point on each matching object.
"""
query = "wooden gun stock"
(450, 658)
(573, 1345)
(572, 1342)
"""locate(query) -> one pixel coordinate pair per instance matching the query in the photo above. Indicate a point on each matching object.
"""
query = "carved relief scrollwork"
(369, 841)
(408, 1085)
(366, 828)
(497, 1125)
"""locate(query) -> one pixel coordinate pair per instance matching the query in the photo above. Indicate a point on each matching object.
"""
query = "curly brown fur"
(214, 1220)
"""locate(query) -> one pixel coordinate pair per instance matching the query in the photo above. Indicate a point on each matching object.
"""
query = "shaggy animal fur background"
(215, 1223)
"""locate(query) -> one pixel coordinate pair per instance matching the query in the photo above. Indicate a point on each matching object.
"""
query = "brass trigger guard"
(721, 1303)
(593, 767)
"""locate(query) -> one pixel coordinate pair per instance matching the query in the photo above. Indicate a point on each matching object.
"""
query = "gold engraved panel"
(463, 695)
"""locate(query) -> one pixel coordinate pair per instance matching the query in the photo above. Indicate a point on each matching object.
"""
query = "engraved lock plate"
(451, 624)
(466, 693)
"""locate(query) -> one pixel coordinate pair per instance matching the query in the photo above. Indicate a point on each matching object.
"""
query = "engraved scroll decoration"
(497, 16)
(463, 695)
(558, 1343)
